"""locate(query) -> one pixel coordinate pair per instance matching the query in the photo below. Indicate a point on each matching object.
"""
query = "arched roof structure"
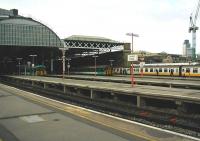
(20, 31)
(23, 37)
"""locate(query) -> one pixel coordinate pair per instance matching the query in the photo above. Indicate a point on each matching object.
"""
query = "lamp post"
(63, 61)
(33, 56)
(19, 62)
(68, 65)
(95, 65)
(111, 62)
(132, 35)
(63, 49)
(132, 70)
(111, 66)
(33, 63)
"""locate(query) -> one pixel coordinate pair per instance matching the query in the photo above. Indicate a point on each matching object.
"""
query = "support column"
(181, 107)
(138, 101)
(64, 88)
(51, 63)
(115, 98)
(32, 83)
(78, 91)
(92, 94)
(52, 66)
(45, 86)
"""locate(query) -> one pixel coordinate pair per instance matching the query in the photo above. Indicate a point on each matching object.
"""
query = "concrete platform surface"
(22, 120)
(154, 81)
(33, 120)
(55, 127)
(12, 106)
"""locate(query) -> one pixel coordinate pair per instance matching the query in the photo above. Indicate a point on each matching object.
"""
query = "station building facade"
(23, 37)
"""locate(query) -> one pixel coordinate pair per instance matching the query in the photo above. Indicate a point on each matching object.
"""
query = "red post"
(132, 75)
(141, 72)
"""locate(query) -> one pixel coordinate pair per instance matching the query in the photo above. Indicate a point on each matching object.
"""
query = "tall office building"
(186, 45)
(188, 51)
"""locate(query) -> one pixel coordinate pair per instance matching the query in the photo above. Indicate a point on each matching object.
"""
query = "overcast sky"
(161, 24)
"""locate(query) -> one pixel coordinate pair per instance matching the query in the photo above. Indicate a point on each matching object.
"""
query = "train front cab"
(40, 70)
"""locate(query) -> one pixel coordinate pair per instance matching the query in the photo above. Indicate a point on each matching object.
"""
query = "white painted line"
(32, 118)
(129, 121)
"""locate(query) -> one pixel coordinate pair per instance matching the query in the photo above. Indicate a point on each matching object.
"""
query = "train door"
(180, 71)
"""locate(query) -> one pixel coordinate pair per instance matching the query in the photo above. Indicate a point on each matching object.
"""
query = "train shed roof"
(90, 39)
(16, 30)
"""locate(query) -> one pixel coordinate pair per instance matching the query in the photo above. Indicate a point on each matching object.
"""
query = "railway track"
(189, 125)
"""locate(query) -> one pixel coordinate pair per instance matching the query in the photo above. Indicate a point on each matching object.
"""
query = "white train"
(163, 69)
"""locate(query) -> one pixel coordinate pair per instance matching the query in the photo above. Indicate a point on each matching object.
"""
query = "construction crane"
(193, 28)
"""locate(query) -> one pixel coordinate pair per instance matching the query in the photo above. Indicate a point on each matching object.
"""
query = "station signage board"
(132, 58)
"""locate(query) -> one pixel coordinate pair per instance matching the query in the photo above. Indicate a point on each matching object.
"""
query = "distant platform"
(126, 89)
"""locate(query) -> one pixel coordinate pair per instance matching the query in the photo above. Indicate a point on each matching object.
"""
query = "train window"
(160, 69)
(151, 69)
(195, 70)
(188, 70)
(174, 70)
(165, 70)
(146, 69)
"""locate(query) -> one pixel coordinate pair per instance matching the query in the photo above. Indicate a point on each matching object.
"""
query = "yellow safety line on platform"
(66, 109)
(74, 112)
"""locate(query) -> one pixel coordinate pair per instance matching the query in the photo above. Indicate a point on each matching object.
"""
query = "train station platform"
(121, 88)
(174, 102)
(176, 82)
(27, 117)
(22, 120)
(135, 76)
